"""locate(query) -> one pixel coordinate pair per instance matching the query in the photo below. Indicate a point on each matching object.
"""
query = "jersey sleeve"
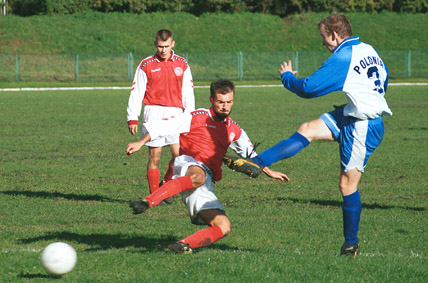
(138, 90)
(188, 95)
(329, 77)
(174, 125)
(243, 146)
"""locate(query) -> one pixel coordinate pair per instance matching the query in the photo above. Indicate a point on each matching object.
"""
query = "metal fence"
(204, 65)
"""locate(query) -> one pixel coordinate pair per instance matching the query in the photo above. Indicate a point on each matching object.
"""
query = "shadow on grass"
(339, 204)
(79, 197)
(103, 241)
(99, 242)
(38, 275)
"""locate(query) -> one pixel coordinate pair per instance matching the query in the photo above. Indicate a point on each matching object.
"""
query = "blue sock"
(351, 217)
(284, 149)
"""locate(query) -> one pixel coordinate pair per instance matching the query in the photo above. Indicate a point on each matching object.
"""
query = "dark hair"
(163, 35)
(221, 86)
(337, 23)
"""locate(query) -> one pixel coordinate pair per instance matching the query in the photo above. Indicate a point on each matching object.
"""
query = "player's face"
(164, 48)
(327, 40)
(222, 104)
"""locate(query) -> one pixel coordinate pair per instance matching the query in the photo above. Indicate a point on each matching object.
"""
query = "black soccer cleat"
(139, 206)
(242, 165)
(180, 248)
(350, 250)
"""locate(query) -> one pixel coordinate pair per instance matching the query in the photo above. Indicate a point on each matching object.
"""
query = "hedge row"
(198, 7)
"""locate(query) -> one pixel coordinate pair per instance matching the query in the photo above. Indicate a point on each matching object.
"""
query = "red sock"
(168, 174)
(204, 237)
(170, 189)
(153, 178)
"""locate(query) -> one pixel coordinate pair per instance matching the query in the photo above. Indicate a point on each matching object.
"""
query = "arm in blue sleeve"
(329, 77)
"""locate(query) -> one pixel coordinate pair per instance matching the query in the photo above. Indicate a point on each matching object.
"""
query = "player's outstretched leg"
(199, 239)
(170, 189)
(284, 149)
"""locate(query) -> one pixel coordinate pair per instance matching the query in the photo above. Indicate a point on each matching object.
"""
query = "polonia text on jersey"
(367, 61)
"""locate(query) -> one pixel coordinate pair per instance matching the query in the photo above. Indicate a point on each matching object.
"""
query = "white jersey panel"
(364, 84)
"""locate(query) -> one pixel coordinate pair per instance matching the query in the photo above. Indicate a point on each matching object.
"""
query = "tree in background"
(198, 7)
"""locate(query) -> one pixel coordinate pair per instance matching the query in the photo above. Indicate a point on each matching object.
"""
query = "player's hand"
(286, 68)
(134, 147)
(280, 177)
(133, 129)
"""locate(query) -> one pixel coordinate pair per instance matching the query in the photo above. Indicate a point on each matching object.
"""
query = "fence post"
(130, 66)
(408, 63)
(296, 60)
(18, 63)
(76, 67)
(240, 65)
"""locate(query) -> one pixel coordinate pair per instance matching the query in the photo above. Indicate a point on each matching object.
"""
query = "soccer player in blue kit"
(356, 69)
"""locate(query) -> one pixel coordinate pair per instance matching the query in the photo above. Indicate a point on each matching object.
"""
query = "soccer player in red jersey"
(205, 136)
(163, 83)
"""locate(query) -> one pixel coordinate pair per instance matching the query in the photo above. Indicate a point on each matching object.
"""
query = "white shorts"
(357, 138)
(202, 198)
(156, 112)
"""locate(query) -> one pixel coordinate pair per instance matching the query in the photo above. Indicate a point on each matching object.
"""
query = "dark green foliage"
(198, 7)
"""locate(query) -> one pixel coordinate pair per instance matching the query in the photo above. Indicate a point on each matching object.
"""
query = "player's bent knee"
(224, 224)
(197, 180)
(225, 228)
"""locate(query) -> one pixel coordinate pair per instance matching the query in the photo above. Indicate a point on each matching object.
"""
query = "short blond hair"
(337, 23)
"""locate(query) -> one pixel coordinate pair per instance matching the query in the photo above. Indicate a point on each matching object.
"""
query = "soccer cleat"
(139, 206)
(180, 248)
(350, 250)
(243, 165)
(169, 200)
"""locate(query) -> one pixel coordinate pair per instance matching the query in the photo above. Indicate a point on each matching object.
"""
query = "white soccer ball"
(58, 258)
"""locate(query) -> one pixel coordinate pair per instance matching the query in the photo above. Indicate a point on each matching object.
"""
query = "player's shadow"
(98, 242)
(339, 204)
(53, 195)
(104, 241)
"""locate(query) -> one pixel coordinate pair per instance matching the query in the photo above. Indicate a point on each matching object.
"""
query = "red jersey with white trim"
(204, 137)
(161, 82)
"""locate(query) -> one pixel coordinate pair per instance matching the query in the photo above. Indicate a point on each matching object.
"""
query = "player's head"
(334, 29)
(164, 43)
(221, 98)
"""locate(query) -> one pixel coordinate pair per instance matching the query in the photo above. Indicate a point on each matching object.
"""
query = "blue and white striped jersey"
(354, 68)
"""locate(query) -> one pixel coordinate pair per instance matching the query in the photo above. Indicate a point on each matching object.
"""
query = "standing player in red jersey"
(205, 136)
(163, 83)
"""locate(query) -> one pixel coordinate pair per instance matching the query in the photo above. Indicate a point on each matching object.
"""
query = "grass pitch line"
(127, 88)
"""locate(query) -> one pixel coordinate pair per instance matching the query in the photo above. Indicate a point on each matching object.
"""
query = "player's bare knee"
(224, 226)
(304, 129)
(197, 174)
(197, 179)
(346, 188)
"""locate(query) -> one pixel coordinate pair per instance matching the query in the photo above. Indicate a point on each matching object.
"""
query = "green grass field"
(64, 176)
